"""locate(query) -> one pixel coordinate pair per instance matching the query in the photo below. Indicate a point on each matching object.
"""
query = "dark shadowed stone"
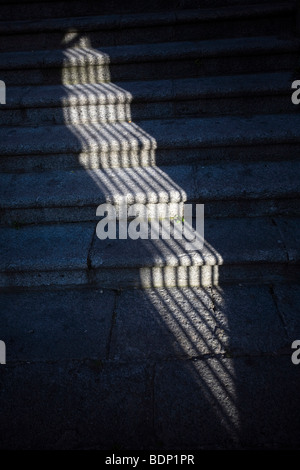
(56, 325)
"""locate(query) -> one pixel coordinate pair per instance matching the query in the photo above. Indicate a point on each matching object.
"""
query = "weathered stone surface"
(116, 21)
(69, 405)
(224, 403)
(74, 190)
(42, 255)
(46, 247)
(226, 241)
(145, 52)
(141, 105)
(54, 254)
(147, 61)
(247, 320)
(56, 325)
(193, 322)
(194, 133)
(290, 231)
(213, 402)
(163, 323)
(288, 301)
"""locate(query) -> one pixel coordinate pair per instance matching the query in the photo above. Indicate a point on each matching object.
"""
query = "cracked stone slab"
(288, 301)
(163, 323)
(46, 247)
(45, 254)
(194, 322)
(290, 231)
(247, 320)
(235, 250)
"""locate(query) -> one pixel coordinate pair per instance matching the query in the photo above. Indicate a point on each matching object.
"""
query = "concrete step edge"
(72, 253)
(151, 135)
(82, 57)
(156, 90)
(150, 185)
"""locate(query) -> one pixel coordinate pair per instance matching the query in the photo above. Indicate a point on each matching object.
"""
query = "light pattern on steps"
(131, 137)
(218, 384)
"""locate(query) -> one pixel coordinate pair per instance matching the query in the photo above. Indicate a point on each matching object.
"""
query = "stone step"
(46, 256)
(268, 93)
(172, 361)
(118, 29)
(150, 61)
(227, 190)
(148, 143)
(237, 250)
(16, 10)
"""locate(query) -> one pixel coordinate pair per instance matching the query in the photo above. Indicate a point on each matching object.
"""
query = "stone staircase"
(142, 344)
(157, 104)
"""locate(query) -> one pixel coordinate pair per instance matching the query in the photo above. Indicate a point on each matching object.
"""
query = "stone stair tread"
(153, 90)
(45, 197)
(187, 339)
(118, 21)
(151, 134)
(227, 241)
(53, 247)
(80, 188)
(147, 52)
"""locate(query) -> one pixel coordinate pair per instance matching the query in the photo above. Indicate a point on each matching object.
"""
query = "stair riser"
(46, 278)
(237, 208)
(152, 34)
(172, 156)
(146, 110)
(200, 67)
(168, 276)
(196, 276)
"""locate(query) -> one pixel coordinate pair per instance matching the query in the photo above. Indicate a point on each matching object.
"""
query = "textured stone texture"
(148, 61)
(45, 255)
(179, 105)
(290, 230)
(31, 197)
(109, 102)
(226, 403)
(227, 241)
(186, 323)
(163, 323)
(247, 320)
(68, 405)
(229, 131)
(56, 325)
(186, 369)
(235, 249)
(288, 300)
